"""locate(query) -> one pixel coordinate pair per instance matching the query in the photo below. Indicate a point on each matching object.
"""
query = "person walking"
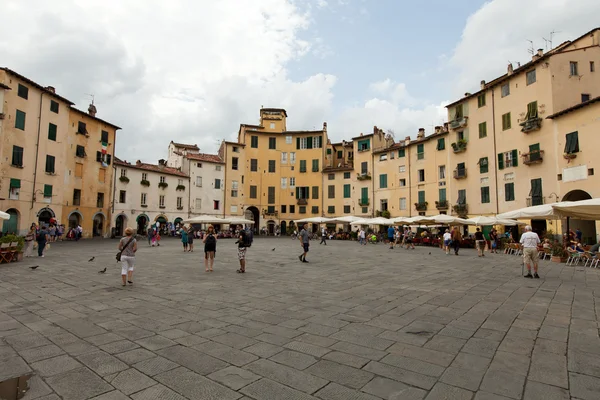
(42, 239)
(479, 243)
(362, 237)
(78, 232)
(390, 234)
(150, 235)
(323, 236)
(210, 248)
(29, 239)
(242, 241)
(127, 247)
(456, 239)
(530, 241)
(494, 241)
(303, 237)
(447, 240)
(190, 239)
(408, 238)
(184, 239)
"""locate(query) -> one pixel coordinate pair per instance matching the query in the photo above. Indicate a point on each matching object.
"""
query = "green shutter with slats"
(515, 158)
(302, 165)
(47, 190)
(401, 153)
(15, 183)
(315, 165)
(364, 195)
(501, 161)
(52, 132)
(483, 165)
(421, 196)
(20, 120)
(298, 143)
(383, 181)
(309, 142)
(347, 191)
(442, 195)
(315, 192)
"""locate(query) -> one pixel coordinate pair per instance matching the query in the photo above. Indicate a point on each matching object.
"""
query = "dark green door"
(11, 225)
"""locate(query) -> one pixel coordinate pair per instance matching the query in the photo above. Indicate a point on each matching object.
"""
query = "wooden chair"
(6, 254)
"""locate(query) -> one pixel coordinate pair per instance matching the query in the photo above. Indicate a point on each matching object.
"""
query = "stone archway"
(587, 227)
(142, 224)
(120, 224)
(253, 214)
(271, 227)
(45, 215)
(98, 225)
(11, 225)
(74, 219)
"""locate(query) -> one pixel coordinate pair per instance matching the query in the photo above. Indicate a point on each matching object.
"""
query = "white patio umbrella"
(583, 209)
(314, 220)
(417, 220)
(449, 220)
(4, 215)
(206, 219)
(544, 211)
(238, 220)
(343, 220)
(373, 221)
(484, 220)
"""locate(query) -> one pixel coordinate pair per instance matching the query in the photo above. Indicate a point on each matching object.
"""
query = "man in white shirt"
(447, 240)
(530, 241)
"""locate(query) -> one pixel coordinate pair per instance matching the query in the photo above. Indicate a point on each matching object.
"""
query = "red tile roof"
(212, 158)
(186, 146)
(151, 168)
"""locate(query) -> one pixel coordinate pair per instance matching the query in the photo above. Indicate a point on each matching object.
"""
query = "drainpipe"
(373, 181)
(189, 172)
(225, 181)
(408, 167)
(495, 157)
(37, 150)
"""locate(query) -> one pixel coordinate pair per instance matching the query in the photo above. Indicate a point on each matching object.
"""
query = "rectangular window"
(392, 155)
(364, 168)
(284, 183)
(505, 90)
(271, 195)
(383, 157)
(331, 210)
(20, 120)
(100, 200)
(123, 172)
(54, 106)
(50, 160)
(144, 176)
(420, 151)
(347, 190)
(462, 196)
(253, 164)
(80, 151)
(383, 181)
(506, 123)
(52, 132)
(271, 166)
(78, 170)
(532, 111)
(364, 145)
(315, 192)
(402, 182)
(303, 192)
(81, 128)
(483, 165)
(481, 100)
(383, 205)
(482, 130)
(253, 192)
(458, 112)
(102, 175)
(573, 68)
(347, 210)
(235, 149)
(485, 194)
(17, 156)
(77, 197)
(199, 165)
(234, 188)
(302, 143)
(331, 192)
(302, 165)
(442, 195)
(292, 158)
(217, 184)
(217, 167)
(421, 173)
(572, 144)
(364, 195)
(15, 188)
(421, 197)
(288, 140)
(292, 182)
(441, 144)
(402, 168)
(216, 204)
(442, 172)
(340, 154)
(272, 143)
(509, 191)
(315, 165)
(331, 177)
(292, 209)
(402, 203)
(48, 193)
(162, 179)
(592, 66)
(122, 196)
(284, 209)
(346, 175)
(198, 204)
(365, 210)
(302, 209)
(537, 198)
(161, 200)
(234, 163)
(284, 158)
(23, 91)
(199, 181)
(104, 137)
(585, 97)
(143, 199)
(530, 76)
(179, 203)
(316, 142)
(401, 153)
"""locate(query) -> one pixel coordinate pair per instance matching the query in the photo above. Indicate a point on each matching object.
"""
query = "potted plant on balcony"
(180, 187)
(145, 182)
(569, 156)
(558, 252)
(124, 179)
(386, 214)
(162, 185)
(441, 204)
(421, 206)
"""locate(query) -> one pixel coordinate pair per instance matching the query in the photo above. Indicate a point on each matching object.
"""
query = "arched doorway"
(177, 222)
(45, 215)
(161, 223)
(74, 219)
(587, 227)
(142, 223)
(120, 224)
(98, 225)
(271, 227)
(283, 228)
(11, 225)
(253, 214)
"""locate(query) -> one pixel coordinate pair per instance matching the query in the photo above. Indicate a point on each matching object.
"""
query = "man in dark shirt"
(304, 242)
(42, 238)
(480, 242)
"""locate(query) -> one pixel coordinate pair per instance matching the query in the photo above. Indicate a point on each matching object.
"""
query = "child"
(210, 248)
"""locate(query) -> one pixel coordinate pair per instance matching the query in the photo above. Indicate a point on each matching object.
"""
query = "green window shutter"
(534, 148)
(20, 120)
(509, 192)
(401, 153)
(420, 148)
(309, 142)
(15, 183)
(501, 161)
(421, 196)
(442, 195)
(51, 132)
(383, 181)
(364, 194)
(515, 158)
(441, 144)
(328, 151)
(315, 192)
(302, 165)
(347, 191)
(298, 143)
(485, 194)
(315, 165)
(483, 165)
(49, 164)
(482, 130)
(575, 142)
(47, 190)
(297, 192)
(536, 187)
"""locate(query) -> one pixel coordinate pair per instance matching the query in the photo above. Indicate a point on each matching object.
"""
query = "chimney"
(407, 140)
(421, 133)
(509, 70)
(138, 163)
(438, 129)
(445, 127)
(162, 162)
(324, 126)
(51, 89)
(467, 94)
(482, 85)
(92, 110)
(540, 52)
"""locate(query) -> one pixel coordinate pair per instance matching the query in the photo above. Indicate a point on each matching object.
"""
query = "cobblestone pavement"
(357, 322)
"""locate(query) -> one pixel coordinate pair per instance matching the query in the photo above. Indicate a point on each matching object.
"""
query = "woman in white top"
(447, 240)
(127, 247)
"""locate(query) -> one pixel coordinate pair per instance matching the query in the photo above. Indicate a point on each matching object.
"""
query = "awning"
(314, 220)
(583, 209)
(484, 221)
(544, 211)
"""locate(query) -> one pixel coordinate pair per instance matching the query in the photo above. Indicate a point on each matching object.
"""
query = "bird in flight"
(91, 259)
(103, 271)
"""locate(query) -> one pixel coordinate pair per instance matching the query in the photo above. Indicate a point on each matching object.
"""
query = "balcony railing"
(534, 157)
(460, 173)
(267, 213)
(363, 202)
(441, 205)
(460, 209)
(532, 124)
(363, 177)
(459, 123)
(535, 201)
(421, 206)
(459, 146)
(302, 202)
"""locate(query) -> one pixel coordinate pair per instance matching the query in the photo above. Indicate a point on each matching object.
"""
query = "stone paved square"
(359, 322)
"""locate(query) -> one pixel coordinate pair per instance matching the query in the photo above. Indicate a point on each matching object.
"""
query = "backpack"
(248, 237)
(210, 240)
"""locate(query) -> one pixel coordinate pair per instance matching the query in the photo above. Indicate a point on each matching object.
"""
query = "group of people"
(38, 235)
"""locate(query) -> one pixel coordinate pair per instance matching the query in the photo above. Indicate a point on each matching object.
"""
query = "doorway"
(11, 225)
(98, 225)
(253, 214)
(45, 215)
(283, 228)
(120, 223)
(142, 223)
(74, 220)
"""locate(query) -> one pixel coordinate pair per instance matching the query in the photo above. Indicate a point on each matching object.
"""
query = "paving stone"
(104, 338)
(41, 353)
(78, 347)
(155, 342)
(363, 340)
(156, 365)
(550, 346)
(191, 340)
(420, 353)
(133, 356)
(102, 363)
(361, 351)
(536, 391)
(517, 345)
(174, 333)
(114, 395)
(503, 383)
(36, 388)
(194, 386)
(318, 329)
(481, 395)
(80, 327)
(317, 340)
(267, 389)
(78, 384)
(471, 361)
(157, 392)
(469, 379)
(511, 362)
(481, 347)
(333, 391)
(490, 334)
(294, 359)
(307, 348)
(294, 378)
(263, 350)
(27, 341)
(391, 389)
(7, 352)
(226, 353)
(550, 369)
(414, 365)
(192, 359)
(273, 339)
(131, 381)
(342, 374)
(234, 377)
(234, 340)
(441, 391)
(402, 375)
(584, 387)
(447, 344)
(346, 359)
(120, 346)
(56, 365)
(584, 363)
(553, 333)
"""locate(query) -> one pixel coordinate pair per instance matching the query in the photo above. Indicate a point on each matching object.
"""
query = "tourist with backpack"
(210, 248)
(243, 242)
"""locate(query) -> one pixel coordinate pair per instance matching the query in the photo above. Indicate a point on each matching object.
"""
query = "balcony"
(535, 201)
(530, 125)
(266, 213)
(460, 209)
(534, 157)
(302, 202)
(363, 202)
(459, 123)
(459, 146)
(460, 173)
(421, 206)
(364, 177)
(441, 205)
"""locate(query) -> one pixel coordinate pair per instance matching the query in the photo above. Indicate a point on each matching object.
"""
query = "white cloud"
(498, 32)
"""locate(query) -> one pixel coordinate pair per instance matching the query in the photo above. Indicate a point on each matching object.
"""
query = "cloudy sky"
(193, 70)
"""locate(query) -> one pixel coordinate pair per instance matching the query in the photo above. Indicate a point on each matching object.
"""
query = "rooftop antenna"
(91, 95)
(549, 41)
(531, 50)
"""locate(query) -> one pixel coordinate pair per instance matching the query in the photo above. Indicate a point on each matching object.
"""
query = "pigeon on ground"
(34, 267)
(103, 271)
(429, 253)
(273, 249)
(91, 259)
